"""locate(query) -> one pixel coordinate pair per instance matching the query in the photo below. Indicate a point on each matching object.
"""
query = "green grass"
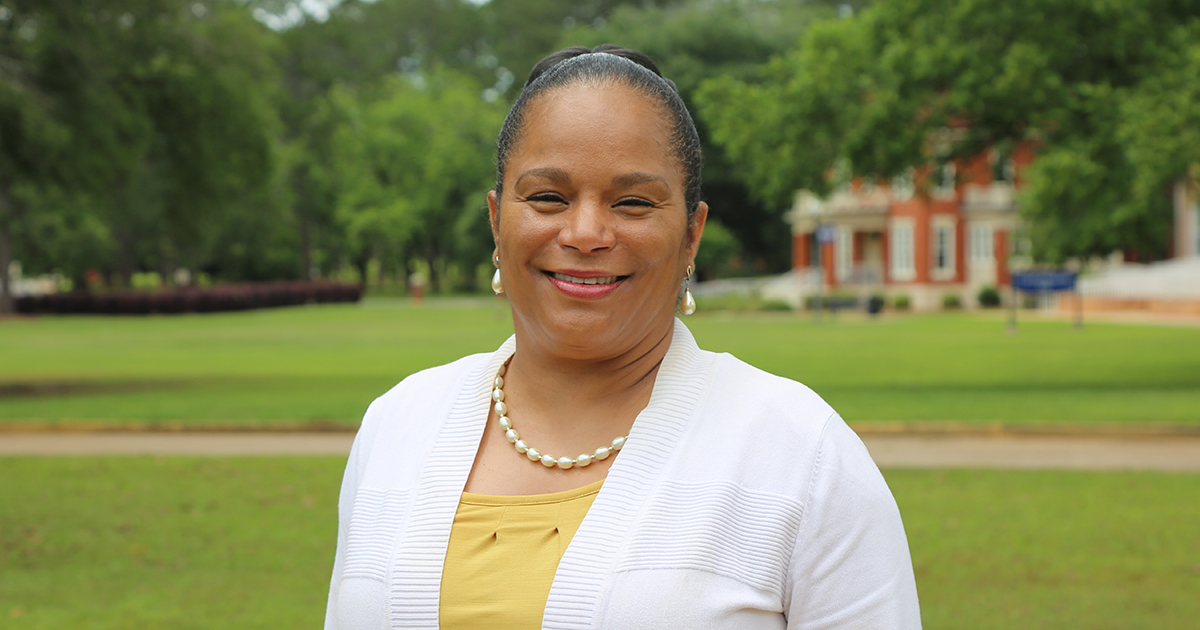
(166, 543)
(965, 367)
(324, 364)
(1081, 550)
(185, 543)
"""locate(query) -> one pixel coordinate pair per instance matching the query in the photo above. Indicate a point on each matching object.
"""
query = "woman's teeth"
(602, 280)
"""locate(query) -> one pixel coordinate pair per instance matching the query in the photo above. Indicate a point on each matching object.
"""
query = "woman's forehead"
(603, 123)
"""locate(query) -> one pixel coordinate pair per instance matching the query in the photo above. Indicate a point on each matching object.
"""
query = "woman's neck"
(560, 390)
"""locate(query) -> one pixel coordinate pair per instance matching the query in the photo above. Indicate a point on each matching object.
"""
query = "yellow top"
(503, 554)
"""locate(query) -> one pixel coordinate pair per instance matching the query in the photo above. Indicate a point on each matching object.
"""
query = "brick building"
(938, 230)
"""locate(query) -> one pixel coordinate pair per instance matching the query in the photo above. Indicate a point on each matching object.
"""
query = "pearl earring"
(689, 303)
(497, 283)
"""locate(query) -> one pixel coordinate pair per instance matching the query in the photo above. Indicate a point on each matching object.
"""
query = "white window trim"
(902, 186)
(1196, 231)
(975, 253)
(902, 260)
(947, 181)
(950, 270)
(1007, 172)
(843, 252)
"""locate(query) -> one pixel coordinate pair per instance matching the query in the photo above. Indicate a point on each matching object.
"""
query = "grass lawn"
(185, 543)
(324, 364)
(149, 543)
(998, 550)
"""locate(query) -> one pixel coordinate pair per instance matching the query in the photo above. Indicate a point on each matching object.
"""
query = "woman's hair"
(607, 63)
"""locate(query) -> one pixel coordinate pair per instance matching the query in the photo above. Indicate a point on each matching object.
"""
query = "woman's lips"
(588, 287)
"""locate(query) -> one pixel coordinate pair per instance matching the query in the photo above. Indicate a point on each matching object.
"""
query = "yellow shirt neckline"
(470, 498)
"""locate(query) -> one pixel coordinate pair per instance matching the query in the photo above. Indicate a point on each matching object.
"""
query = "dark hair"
(629, 67)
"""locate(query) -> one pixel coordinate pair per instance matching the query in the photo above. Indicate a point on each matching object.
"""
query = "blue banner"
(1044, 281)
(825, 234)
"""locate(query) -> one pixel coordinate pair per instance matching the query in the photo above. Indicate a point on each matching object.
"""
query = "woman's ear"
(696, 229)
(494, 215)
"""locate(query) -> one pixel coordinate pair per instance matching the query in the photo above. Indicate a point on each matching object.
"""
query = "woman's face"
(592, 229)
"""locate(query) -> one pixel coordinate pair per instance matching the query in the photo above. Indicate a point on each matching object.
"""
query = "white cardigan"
(740, 501)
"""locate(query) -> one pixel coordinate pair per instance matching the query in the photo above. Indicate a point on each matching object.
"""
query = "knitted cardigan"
(741, 500)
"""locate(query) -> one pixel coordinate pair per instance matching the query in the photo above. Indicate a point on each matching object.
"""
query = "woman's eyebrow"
(556, 175)
(632, 179)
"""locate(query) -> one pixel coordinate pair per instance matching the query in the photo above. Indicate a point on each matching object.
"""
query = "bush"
(774, 305)
(227, 297)
(739, 302)
(833, 302)
(989, 297)
(951, 301)
(901, 302)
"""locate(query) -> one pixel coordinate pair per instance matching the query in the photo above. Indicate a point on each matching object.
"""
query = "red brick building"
(935, 231)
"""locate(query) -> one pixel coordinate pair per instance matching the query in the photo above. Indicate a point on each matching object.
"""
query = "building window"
(945, 178)
(901, 247)
(1004, 168)
(983, 251)
(844, 252)
(943, 248)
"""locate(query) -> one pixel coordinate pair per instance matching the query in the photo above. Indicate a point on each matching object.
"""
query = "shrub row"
(834, 302)
(227, 297)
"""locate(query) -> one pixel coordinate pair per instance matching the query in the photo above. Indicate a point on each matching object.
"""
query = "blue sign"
(825, 234)
(1044, 281)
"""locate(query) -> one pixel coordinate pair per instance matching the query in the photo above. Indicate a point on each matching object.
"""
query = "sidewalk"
(1175, 454)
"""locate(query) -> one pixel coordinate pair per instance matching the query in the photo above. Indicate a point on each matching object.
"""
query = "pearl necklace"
(549, 461)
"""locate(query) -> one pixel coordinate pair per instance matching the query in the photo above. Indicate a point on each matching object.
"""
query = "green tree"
(28, 133)
(411, 156)
(718, 249)
(697, 41)
(129, 127)
(359, 45)
(1073, 76)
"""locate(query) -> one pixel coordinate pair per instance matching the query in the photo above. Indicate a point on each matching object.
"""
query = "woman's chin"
(594, 329)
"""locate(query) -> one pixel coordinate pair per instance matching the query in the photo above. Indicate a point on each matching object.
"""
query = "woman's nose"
(588, 228)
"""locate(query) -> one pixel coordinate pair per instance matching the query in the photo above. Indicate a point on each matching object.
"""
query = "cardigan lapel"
(592, 553)
(415, 585)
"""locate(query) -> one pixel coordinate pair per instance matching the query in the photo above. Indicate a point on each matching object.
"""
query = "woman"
(705, 493)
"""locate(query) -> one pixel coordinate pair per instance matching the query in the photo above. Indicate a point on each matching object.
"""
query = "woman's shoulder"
(426, 393)
(759, 392)
(747, 413)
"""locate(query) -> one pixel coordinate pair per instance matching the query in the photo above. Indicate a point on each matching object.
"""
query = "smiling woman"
(706, 493)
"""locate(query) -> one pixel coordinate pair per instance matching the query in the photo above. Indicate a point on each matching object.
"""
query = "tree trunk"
(431, 258)
(125, 256)
(306, 271)
(361, 262)
(6, 300)
(6, 211)
(406, 271)
(381, 277)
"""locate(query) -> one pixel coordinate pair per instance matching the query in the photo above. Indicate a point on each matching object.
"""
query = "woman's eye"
(634, 201)
(546, 198)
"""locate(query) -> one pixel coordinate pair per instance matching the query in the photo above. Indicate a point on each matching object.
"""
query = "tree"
(135, 125)
(696, 41)
(30, 135)
(358, 46)
(411, 157)
(872, 91)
